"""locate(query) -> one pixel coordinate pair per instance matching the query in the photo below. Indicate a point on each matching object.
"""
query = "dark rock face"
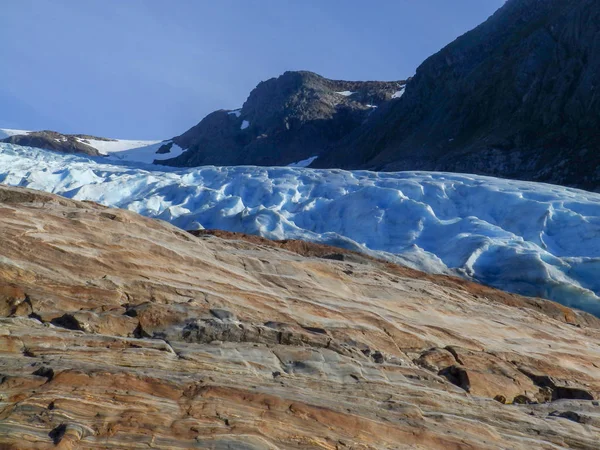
(51, 140)
(284, 120)
(515, 97)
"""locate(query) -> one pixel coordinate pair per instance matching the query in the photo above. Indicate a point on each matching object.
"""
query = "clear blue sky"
(150, 69)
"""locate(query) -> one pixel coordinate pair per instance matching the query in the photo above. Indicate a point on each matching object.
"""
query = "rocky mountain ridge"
(515, 97)
(286, 119)
(53, 140)
(118, 331)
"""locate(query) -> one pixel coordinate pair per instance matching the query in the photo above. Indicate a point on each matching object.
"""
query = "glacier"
(529, 238)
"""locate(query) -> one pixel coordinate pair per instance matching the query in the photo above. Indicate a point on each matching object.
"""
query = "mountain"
(125, 150)
(118, 331)
(517, 97)
(51, 140)
(285, 120)
(528, 238)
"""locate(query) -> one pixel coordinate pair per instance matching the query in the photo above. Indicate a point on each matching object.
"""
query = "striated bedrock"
(119, 331)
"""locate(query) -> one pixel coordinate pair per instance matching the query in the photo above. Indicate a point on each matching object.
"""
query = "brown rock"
(284, 350)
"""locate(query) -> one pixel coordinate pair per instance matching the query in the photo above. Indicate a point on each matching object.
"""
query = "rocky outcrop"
(118, 331)
(52, 140)
(516, 97)
(284, 120)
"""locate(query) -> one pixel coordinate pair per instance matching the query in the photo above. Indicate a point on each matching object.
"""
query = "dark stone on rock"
(140, 333)
(562, 392)
(571, 415)
(131, 312)
(522, 400)
(457, 376)
(552, 389)
(58, 433)
(335, 256)
(35, 316)
(378, 357)
(541, 380)
(222, 314)
(315, 330)
(67, 321)
(46, 372)
(500, 399)
(276, 325)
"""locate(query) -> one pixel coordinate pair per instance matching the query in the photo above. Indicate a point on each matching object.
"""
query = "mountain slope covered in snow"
(530, 238)
(142, 151)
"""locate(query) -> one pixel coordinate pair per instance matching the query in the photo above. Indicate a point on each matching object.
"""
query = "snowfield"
(134, 151)
(119, 149)
(529, 238)
(7, 132)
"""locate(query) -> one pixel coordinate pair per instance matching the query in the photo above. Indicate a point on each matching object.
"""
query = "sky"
(151, 69)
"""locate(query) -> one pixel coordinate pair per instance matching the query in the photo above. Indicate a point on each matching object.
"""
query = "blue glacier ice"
(530, 238)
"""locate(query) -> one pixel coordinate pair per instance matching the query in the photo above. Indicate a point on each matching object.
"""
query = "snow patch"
(346, 93)
(531, 238)
(236, 112)
(132, 150)
(8, 132)
(245, 124)
(142, 151)
(399, 93)
(304, 163)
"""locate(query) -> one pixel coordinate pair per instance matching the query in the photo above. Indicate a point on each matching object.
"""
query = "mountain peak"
(285, 119)
(515, 97)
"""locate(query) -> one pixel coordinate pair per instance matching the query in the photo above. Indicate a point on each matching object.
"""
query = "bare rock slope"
(287, 119)
(118, 331)
(516, 97)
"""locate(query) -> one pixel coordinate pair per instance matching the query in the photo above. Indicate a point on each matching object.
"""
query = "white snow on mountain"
(119, 149)
(7, 132)
(134, 151)
(235, 112)
(399, 93)
(245, 124)
(116, 145)
(304, 163)
(346, 93)
(530, 238)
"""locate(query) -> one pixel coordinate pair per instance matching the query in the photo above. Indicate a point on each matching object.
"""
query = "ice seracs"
(530, 238)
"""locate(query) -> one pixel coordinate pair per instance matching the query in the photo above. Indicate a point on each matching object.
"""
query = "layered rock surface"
(119, 331)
